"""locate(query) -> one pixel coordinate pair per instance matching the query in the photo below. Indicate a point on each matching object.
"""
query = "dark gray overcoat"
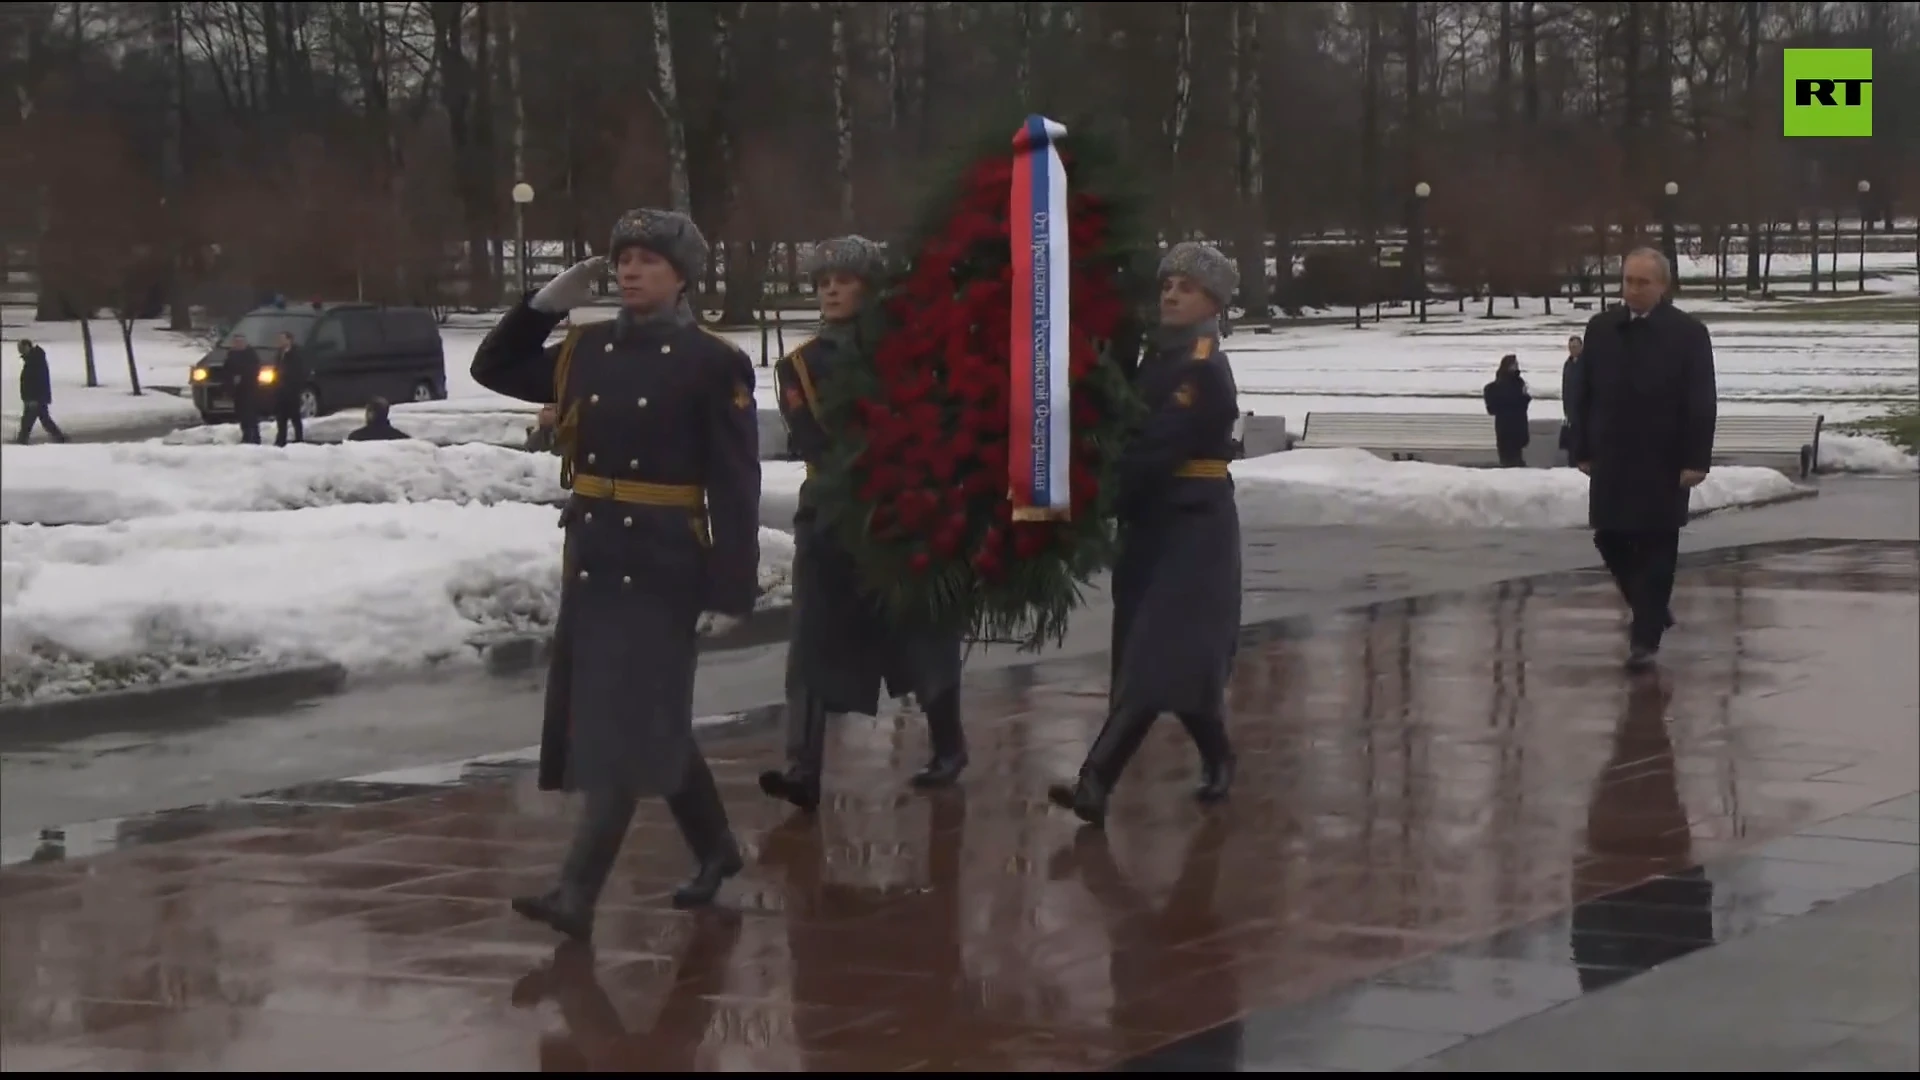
(1176, 588)
(660, 442)
(842, 647)
(1643, 407)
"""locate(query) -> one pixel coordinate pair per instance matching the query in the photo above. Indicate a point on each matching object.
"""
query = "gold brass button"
(634, 464)
(593, 399)
(589, 459)
(628, 522)
(609, 347)
(626, 581)
(583, 575)
(666, 348)
(643, 403)
(589, 515)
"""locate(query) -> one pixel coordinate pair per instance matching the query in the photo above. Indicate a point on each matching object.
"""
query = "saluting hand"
(572, 289)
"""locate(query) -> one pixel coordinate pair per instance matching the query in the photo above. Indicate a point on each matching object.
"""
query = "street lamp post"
(522, 196)
(1864, 187)
(1417, 245)
(1668, 246)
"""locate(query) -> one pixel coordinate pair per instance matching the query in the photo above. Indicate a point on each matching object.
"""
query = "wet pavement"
(1451, 813)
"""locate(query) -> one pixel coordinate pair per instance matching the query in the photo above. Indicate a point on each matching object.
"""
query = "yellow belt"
(1202, 469)
(639, 492)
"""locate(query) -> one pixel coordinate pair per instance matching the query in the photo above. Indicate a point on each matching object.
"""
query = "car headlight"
(267, 376)
(199, 374)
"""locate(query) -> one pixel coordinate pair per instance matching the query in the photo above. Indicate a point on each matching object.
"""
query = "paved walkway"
(1414, 778)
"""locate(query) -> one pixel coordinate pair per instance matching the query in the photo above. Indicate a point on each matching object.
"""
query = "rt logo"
(1829, 93)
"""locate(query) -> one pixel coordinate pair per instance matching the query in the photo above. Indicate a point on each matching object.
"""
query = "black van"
(354, 353)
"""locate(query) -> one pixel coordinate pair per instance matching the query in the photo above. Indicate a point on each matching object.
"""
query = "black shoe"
(705, 884)
(949, 741)
(793, 786)
(1086, 798)
(1641, 659)
(551, 909)
(1216, 780)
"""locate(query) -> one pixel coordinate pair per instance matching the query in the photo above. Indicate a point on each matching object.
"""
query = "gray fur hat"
(856, 255)
(1207, 267)
(669, 234)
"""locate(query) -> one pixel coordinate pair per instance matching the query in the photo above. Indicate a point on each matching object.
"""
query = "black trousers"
(284, 418)
(1642, 564)
(32, 412)
(248, 417)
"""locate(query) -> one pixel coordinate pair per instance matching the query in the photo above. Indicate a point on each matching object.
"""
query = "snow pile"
(373, 588)
(103, 482)
(1354, 487)
(494, 421)
(1863, 454)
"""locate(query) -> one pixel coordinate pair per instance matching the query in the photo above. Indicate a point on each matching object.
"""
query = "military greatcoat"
(659, 439)
(843, 647)
(1176, 588)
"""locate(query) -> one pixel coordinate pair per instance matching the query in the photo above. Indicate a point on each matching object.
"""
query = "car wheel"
(423, 391)
(309, 403)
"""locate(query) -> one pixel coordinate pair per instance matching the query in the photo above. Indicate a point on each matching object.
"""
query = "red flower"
(919, 562)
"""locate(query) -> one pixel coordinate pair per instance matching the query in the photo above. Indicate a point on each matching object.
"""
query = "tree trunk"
(1503, 71)
(517, 91)
(1252, 240)
(1750, 120)
(1370, 129)
(1530, 62)
(842, 112)
(1176, 128)
(133, 369)
(666, 97)
(1414, 260)
(179, 311)
(744, 268)
(86, 348)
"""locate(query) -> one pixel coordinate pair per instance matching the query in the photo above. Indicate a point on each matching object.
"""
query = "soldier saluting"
(659, 441)
(1176, 588)
(842, 646)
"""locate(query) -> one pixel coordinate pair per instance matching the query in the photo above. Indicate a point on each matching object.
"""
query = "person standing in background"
(1569, 385)
(290, 378)
(1507, 401)
(36, 394)
(243, 382)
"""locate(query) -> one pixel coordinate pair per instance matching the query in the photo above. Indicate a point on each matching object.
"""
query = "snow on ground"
(373, 587)
(492, 420)
(1354, 487)
(96, 483)
(1863, 454)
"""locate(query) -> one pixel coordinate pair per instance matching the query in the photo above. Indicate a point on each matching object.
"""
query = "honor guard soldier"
(1176, 588)
(842, 645)
(659, 440)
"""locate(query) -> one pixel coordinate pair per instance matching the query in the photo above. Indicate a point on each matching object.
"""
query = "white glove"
(572, 289)
(714, 624)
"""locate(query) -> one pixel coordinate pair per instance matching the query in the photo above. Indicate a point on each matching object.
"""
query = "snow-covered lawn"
(491, 420)
(1354, 487)
(386, 587)
(97, 483)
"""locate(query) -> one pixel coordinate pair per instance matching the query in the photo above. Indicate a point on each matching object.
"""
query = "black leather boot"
(1209, 735)
(597, 838)
(1112, 749)
(799, 784)
(702, 818)
(947, 740)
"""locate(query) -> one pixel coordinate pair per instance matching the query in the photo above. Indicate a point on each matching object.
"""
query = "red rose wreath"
(919, 489)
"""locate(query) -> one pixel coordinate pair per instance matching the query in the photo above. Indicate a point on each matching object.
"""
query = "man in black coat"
(378, 428)
(290, 378)
(36, 394)
(1569, 386)
(1644, 407)
(242, 372)
(659, 439)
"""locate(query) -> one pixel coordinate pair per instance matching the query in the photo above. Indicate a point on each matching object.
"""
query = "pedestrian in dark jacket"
(1176, 588)
(1507, 400)
(843, 646)
(290, 377)
(36, 394)
(1569, 386)
(242, 372)
(660, 443)
(378, 428)
(1645, 407)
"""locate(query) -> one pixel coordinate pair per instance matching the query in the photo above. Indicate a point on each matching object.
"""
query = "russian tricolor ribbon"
(1038, 433)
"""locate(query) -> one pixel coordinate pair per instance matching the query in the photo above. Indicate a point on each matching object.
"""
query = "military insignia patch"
(1183, 397)
(742, 396)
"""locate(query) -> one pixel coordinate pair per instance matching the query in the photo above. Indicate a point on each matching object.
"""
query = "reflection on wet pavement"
(1450, 813)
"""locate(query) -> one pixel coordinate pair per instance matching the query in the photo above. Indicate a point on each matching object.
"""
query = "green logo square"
(1829, 93)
